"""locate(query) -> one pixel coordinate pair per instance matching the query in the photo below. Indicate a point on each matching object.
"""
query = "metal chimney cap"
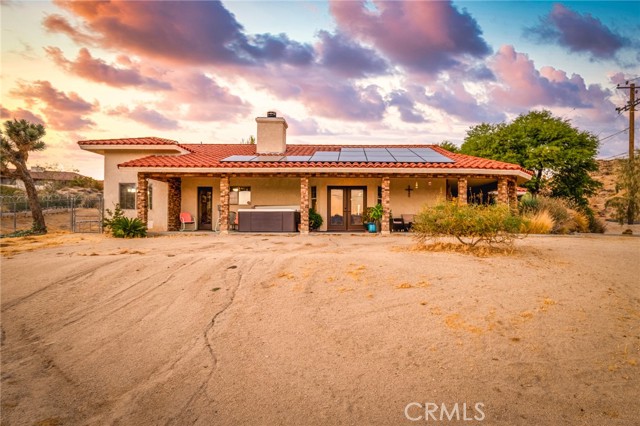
(271, 114)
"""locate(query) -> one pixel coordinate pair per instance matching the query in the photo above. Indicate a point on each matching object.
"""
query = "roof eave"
(521, 175)
(102, 148)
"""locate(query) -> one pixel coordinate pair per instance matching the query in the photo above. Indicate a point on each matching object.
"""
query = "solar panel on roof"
(381, 159)
(342, 150)
(325, 156)
(303, 158)
(239, 158)
(352, 156)
(266, 158)
(431, 156)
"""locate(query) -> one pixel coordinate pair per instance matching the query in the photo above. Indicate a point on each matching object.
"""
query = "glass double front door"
(346, 208)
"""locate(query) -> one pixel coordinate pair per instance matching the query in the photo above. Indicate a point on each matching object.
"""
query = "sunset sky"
(338, 71)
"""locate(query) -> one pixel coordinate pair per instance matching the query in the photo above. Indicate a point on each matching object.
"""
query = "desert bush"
(10, 191)
(580, 221)
(114, 215)
(538, 223)
(124, 227)
(528, 204)
(468, 223)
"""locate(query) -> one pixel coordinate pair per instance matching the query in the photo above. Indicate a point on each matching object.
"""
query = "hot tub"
(268, 219)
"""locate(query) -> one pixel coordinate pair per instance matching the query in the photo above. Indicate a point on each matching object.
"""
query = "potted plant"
(374, 215)
(315, 220)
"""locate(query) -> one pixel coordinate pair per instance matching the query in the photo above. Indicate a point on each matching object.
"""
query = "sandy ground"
(318, 330)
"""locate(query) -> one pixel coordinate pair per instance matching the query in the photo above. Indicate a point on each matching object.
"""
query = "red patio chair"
(186, 219)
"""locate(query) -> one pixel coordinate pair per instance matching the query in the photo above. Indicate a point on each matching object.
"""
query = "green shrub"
(11, 191)
(124, 227)
(315, 220)
(528, 204)
(117, 213)
(468, 223)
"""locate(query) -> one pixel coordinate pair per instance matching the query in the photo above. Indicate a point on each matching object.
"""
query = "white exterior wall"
(113, 177)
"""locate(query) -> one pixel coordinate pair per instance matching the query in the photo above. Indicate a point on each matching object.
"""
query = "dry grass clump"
(538, 223)
(17, 245)
(541, 211)
(477, 250)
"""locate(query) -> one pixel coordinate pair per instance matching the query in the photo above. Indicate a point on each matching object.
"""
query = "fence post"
(15, 215)
(101, 207)
(71, 209)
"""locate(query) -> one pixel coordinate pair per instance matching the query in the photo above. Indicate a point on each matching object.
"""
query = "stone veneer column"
(142, 198)
(512, 191)
(503, 193)
(224, 205)
(462, 190)
(174, 203)
(304, 205)
(386, 204)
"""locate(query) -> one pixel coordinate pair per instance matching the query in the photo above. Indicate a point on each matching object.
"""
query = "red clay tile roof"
(130, 141)
(210, 156)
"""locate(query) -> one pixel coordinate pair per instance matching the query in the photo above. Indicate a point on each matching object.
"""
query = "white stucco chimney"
(272, 134)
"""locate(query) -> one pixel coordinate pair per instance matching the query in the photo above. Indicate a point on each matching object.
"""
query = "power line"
(610, 136)
(622, 154)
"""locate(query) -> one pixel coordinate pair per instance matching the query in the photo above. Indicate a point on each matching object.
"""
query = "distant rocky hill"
(607, 175)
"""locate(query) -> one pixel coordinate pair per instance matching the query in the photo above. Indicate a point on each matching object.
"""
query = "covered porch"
(215, 198)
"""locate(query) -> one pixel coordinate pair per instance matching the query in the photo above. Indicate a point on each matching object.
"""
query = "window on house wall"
(314, 198)
(240, 195)
(379, 195)
(150, 196)
(128, 196)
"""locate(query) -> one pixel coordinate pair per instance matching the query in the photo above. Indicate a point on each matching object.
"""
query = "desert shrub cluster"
(546, 215)
(121, 226)
(470, 224)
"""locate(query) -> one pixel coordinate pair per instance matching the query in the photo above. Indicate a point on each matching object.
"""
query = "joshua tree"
(16, 141)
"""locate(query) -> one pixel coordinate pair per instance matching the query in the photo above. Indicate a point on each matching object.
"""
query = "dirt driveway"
(319, 330)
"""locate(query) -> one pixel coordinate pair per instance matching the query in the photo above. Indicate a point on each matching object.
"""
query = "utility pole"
(630, 106)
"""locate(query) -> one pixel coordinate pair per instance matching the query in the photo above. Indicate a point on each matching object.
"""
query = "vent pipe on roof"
(271, 135)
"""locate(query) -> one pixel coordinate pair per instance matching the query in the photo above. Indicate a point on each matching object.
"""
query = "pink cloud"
(422, 36)
(59, 24)
(146, 116)
(578, 33)
(97, 70)
(406, 106)
(305, 127)
(347, 58)
(523, 85)
(205, 99)
(62, 111)
(196, 32)
(20, 114)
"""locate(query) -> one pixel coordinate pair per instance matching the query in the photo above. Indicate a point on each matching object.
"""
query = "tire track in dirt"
(89, 272)
(240, 269)
(112, 298)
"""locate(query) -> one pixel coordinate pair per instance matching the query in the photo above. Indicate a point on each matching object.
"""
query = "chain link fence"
(75, 213)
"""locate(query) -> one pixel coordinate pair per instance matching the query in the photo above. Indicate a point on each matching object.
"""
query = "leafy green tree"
(449, 146)
(18, 139)
(560, 156)
(626, 205)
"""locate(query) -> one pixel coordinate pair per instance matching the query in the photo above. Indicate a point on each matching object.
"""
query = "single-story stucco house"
(259, 185)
